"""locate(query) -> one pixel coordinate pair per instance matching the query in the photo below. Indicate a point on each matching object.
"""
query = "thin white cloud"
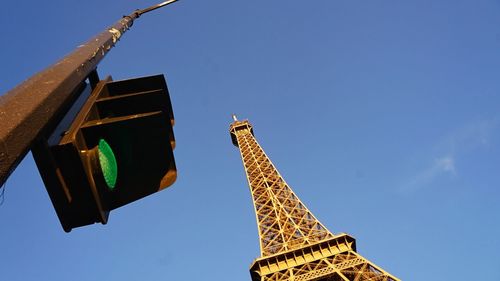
(440, 166)
(467, 138)
(445, 164)
(470, 136)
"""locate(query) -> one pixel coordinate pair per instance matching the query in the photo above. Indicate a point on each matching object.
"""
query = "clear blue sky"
(383, 116)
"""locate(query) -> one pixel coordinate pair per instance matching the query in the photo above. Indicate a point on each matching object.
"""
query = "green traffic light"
(108, 164)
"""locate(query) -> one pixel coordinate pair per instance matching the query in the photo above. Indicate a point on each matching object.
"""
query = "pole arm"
(33, 106)
(154, 7)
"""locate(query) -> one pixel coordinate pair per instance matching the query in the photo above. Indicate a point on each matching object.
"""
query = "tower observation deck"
(294, 245)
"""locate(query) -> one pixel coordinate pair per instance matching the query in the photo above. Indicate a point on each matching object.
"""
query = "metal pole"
(33, 106)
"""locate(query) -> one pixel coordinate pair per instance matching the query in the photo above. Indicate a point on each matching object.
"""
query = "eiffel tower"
(294, 245)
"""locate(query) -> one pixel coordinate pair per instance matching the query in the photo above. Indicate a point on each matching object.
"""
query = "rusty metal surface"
(33, 106)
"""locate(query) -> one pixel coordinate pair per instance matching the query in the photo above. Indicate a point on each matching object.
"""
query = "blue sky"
(383, 116)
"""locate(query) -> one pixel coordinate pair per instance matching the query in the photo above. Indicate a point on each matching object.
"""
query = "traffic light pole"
(35, 106)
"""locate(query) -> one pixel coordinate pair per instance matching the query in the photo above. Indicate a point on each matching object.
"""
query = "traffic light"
(117, 149)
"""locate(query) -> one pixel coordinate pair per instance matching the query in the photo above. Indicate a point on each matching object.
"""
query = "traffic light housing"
(118, 149)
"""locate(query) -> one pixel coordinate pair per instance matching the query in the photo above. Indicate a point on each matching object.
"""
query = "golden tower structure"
(294, 245)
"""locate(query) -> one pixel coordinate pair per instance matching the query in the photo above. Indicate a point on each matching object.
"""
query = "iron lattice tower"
(294, 245)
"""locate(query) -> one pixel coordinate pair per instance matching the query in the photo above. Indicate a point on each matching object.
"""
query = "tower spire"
(294, 245)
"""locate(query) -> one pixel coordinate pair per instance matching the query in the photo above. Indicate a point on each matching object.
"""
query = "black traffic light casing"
(135, 118)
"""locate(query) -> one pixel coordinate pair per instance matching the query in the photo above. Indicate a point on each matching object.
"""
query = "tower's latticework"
(294, 245)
